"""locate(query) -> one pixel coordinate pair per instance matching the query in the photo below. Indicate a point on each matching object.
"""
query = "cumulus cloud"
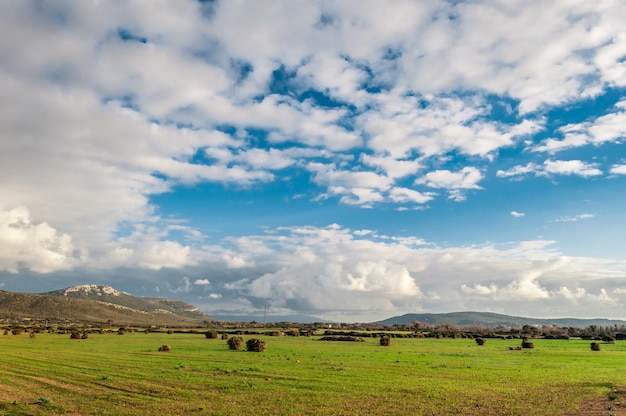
(365, 104)
(553, 167)
(571, 167)
(25, 244)
(454, 182)
(618, 169)
(605, 129)
(516, 214)
(321, 270)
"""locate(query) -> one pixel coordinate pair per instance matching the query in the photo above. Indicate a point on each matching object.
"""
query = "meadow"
(110, 374)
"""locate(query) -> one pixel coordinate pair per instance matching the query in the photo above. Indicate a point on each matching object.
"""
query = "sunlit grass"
(126, 375)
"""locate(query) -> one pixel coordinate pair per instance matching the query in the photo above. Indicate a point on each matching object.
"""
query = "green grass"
(125, 375)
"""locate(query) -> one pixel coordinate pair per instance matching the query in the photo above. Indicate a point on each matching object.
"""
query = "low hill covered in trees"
(495, 319)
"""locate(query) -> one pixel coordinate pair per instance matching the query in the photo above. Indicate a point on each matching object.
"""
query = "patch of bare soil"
(612, 404)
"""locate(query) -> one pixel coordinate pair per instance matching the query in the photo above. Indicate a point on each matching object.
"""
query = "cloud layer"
(394, 107)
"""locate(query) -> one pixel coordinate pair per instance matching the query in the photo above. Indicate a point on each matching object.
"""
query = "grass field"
(110, 374)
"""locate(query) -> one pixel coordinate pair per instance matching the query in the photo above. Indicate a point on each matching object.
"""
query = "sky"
(348, 160)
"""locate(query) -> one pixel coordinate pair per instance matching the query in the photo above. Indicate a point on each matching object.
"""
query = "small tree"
(595, 346)
(480, 341)
(211, 334)
(235, 343)
(385, 340)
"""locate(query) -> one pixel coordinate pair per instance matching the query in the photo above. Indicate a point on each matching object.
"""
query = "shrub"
(595, 346)
(31, 335)
(235, 343)
(256, 345)
(170, 331)
(165, 348)
(608, 339)
(84, 336)
(480, 341)
(348, 338)
(75, 335)
(385, 341)
(211, 334)
(224, 336)
(527, 344)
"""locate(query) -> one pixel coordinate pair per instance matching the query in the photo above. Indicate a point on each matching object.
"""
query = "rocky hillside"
(98, 304)
(109, 295)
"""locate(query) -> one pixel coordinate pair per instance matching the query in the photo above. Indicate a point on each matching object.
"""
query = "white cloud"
(184, 286)
(402, 195)
(553, 167)
(92, 131)
(402, 123)
(604, 129)
(455, 182)
(575, 218)
(394, 168)
(34, 246)
(571, 167)
(202, 282)
(618, 169)
(525, 289)
(518, 170)
(321, 269)
(516, 214)
(466, 178)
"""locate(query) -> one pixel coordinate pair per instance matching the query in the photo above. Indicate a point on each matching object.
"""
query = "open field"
(111, 374)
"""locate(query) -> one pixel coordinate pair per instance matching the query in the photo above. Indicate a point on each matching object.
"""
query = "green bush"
(385, 341)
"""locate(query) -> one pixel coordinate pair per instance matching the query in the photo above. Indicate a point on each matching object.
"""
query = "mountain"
(107, 294)
(494, 319)
(98, 304)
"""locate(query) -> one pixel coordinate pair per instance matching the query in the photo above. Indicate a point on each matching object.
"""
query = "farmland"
(110, 374)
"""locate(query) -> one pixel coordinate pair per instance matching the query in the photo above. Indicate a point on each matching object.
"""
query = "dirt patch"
(611, 404)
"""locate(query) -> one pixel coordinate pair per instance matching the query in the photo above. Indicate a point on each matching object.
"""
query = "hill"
(494, 319)
(97, 304)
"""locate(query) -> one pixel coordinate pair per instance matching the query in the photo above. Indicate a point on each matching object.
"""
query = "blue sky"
(346, 160)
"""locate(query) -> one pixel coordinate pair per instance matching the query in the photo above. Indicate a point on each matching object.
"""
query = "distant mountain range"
(97, 304)
(100, 304)
(494, 319)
